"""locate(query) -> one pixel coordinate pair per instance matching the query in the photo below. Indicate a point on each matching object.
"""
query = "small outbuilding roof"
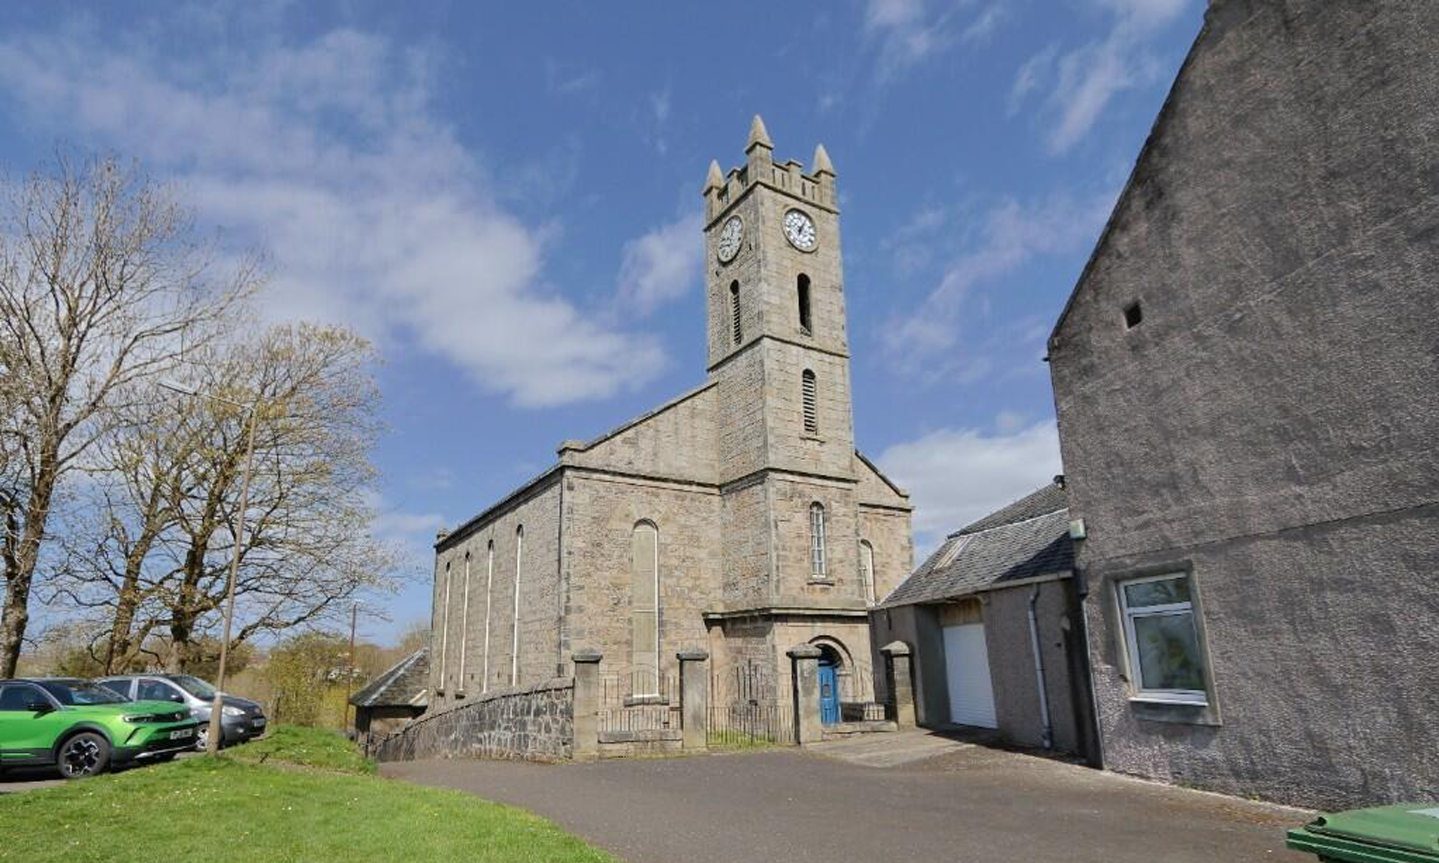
(405, 684)
(1026, 539)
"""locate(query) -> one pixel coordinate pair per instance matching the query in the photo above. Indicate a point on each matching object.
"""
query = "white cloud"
(907, 32)
(957, 476)
(663, 264)
(328, 154)
(1082, 82)
(1010, 235)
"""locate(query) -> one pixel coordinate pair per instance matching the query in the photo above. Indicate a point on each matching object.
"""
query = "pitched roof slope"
(405, 684)
(1025, 539)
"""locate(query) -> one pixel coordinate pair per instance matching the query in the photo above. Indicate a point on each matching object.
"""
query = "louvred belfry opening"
(809, 395)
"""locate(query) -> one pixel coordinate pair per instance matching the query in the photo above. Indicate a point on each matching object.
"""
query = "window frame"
(818, 562)
(1139, 692)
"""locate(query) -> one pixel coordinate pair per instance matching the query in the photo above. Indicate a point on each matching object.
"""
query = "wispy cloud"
(663, 264)
(329, 154)
(908, 32)
(1083, 81)
(1011, 234)
(958, 475)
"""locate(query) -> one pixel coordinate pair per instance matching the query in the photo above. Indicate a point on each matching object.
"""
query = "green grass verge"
(307, 747)
(224, 810)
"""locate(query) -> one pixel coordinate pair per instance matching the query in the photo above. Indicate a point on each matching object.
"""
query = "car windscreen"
(194, 685)
(81, 692)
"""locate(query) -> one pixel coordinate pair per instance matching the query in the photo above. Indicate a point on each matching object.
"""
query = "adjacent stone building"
(1247, 387)
(738, 518)
(996, 629)
(394, 697)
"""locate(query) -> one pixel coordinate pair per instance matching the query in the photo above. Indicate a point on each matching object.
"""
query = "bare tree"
(100, 281)
(306, 547)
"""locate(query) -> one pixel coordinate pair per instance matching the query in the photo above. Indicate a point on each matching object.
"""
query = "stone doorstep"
(846, 729)
(656, 735)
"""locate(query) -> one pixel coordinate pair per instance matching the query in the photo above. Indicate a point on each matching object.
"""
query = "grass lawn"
(308, 747)
(238, 808)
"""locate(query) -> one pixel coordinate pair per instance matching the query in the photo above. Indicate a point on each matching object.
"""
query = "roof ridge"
(964, 532)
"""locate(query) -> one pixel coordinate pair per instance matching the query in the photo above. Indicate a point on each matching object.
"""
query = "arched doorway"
(830, 663)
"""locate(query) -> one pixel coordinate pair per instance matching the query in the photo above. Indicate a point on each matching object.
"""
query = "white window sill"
(1169, 700)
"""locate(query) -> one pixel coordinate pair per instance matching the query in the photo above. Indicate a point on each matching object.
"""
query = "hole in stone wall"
(1133, 314)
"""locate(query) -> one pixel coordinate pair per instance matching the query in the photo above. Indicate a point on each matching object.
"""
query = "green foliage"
(306, 747)
(222, 810)
(306, 676)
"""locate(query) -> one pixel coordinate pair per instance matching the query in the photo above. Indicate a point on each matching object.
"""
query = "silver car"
(241, 719)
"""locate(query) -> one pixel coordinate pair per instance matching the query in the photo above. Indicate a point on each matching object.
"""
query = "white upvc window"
(1162, 639)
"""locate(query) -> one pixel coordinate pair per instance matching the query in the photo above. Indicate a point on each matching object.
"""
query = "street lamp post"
(217, 708)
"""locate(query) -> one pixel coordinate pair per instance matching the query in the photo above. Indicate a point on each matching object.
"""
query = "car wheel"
(202, 738)
(85, 754)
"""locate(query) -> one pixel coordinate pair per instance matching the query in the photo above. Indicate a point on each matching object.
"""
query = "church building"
(737, 518)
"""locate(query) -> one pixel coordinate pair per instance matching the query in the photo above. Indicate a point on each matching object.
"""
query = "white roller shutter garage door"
(966, 659)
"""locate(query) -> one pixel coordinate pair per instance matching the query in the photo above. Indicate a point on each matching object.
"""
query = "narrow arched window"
(445, 627)
(645, 609)
(734, 311)
(866, 570)
(802, 291)
(816, 540)
(809, 402)
(464, 622)
(489, 585)
(515, 627)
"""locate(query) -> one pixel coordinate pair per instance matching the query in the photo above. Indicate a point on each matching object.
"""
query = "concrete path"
(889, 750)
(969, 804)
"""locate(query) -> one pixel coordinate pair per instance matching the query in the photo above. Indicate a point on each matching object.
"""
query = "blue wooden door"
(828, 695)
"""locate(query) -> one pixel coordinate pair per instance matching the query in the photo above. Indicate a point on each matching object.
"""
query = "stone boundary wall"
(530, 723)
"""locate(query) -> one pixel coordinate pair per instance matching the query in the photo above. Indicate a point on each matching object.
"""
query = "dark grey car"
(241, 719)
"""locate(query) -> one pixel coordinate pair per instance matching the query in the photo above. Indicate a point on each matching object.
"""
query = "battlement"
(721, 191)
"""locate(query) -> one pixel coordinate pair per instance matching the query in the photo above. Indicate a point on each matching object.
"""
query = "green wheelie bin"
(1407, 833)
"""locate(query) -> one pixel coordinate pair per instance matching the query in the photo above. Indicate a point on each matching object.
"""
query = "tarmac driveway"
(968, 804)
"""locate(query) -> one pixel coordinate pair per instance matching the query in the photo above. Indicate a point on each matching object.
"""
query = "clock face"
(729, 239)
(799, 230)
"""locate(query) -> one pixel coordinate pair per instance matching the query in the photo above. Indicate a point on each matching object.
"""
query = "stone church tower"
(737, 518)
(779, 356)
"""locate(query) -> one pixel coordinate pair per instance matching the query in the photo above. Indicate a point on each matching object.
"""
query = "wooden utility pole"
(350, 672)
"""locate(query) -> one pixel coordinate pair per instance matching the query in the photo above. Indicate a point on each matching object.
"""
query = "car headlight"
(135, 717)
(232, 711)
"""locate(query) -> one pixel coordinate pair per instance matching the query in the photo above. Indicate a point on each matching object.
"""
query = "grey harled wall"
(531, 723)
(1272, 422)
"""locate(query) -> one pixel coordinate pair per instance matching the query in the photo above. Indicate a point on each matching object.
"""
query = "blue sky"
(505, 197)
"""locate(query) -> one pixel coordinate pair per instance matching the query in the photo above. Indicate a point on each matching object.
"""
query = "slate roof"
(406, 684)
(1026, 539)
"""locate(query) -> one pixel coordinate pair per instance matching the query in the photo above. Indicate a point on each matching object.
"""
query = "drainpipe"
(1048, 738)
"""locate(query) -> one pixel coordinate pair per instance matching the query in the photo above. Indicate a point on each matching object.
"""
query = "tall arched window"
(816, 540)
(464, 623)
(445, 628)
(489, 584)
(734, 311)
(802, 292)
(645, 608)
(515, 628)
(809, 401)
(866, 570)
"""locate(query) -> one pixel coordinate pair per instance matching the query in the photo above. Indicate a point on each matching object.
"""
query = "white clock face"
(799, 230)
(729, 239)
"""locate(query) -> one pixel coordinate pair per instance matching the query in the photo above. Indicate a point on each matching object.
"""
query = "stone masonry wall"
(468, 652)
(1269, 426)
(601, 512)
(531, 723)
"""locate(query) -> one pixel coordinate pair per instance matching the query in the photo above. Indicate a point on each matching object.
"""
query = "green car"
(83, 728)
